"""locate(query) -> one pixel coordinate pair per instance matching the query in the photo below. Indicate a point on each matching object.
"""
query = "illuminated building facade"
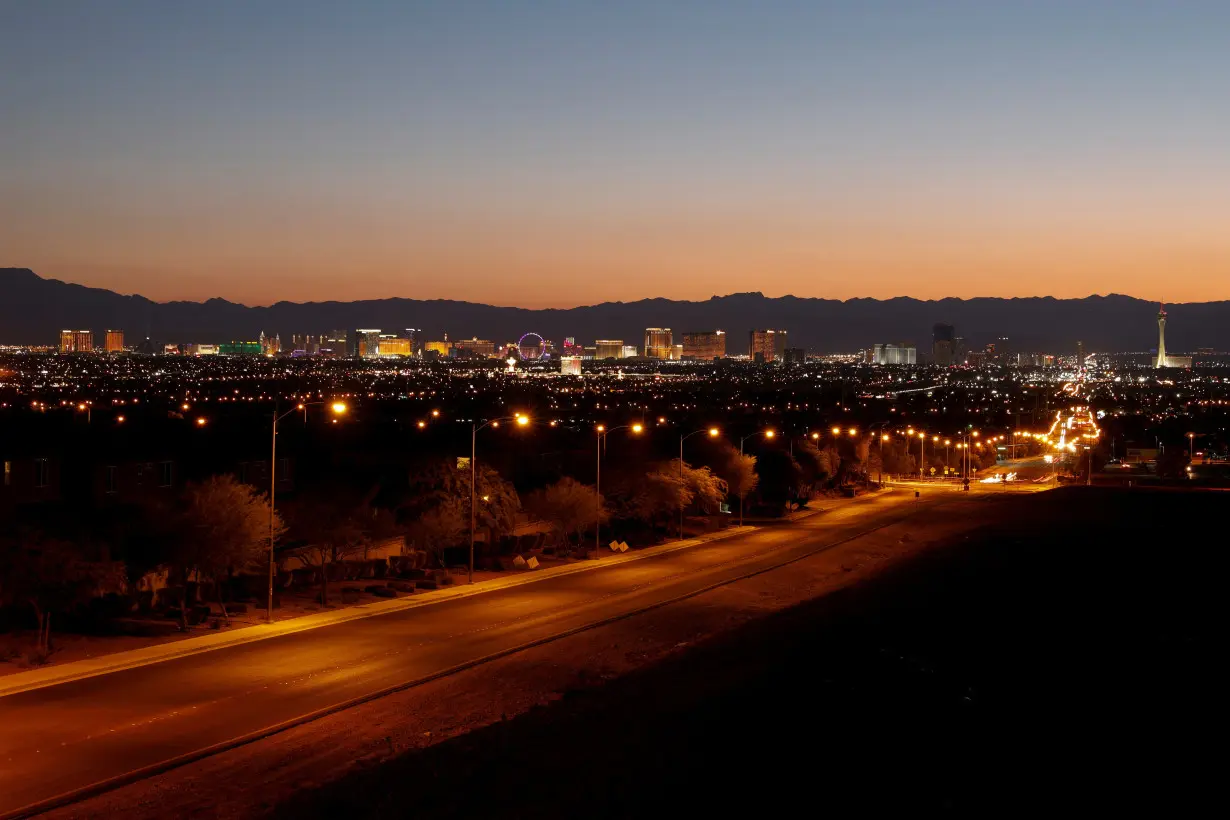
(115, 341)
(766, 345)
(475, 348)
(659, 343)
(704, 345)
(609, 349)
(570, 365)
(391, 345)
(438, 348)
(240, 349)
(76, 341)
(630, 352)
(367, 343)
(896, 353)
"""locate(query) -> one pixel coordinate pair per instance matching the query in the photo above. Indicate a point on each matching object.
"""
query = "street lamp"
(522, 420)
(767, 434)
(338, 409)
(603, 433)
(713, 433)
(1191, 447)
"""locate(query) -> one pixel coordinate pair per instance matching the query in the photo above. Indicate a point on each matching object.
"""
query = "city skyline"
(589, 153)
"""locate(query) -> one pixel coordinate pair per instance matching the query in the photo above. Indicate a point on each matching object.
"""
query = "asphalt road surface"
(69, 736)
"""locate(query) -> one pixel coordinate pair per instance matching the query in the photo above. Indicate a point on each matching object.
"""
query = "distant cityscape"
(660, 344)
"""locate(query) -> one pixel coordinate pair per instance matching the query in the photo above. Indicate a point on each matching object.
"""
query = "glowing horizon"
(557, 155)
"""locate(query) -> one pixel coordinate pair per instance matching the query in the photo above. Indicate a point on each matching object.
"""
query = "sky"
(561, 153)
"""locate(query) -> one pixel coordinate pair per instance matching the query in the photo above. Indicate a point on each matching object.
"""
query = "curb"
(134, 658)
(118, 781)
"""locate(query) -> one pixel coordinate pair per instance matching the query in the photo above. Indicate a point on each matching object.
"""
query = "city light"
(769, 434)
(422, 424)
(339, 407)
(853, 431)
(200, 422)
(714, 432)
(815, 436)
(523, 420)
(837, 431)
(636, 428)
(601, 428)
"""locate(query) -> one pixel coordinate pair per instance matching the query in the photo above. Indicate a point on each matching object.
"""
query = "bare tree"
(224, 529)
(50, 576)
(570, 506)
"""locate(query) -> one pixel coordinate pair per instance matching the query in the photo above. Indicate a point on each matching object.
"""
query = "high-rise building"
(630, 352)
(895, 353)
(440, 349)
(1080, 355)
(766, 345)
(794, 355)
(943, 344)
(366, 343)
(270, 345)
(609, 349)
(115, 341)
(335, 344)
(570, 365)
(475, 348)
(83, 341)
(415, 335)
(68, 341)
(392, 345)
(704, 345)
(658, 342)
(1164, 359)
(240, 349)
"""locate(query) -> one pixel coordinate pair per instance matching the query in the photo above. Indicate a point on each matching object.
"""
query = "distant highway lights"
(713, 433)
(338, 409)
(602, 433)
(522, 420)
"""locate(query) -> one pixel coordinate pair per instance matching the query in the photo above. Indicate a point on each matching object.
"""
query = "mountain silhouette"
(33, 310)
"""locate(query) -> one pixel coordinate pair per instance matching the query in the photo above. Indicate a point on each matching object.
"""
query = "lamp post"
(1191, 447)
(603, 433)
(713, 433)
(521, 420)
(767, 434)
(338, 408)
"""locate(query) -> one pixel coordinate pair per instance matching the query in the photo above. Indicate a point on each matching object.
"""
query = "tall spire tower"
(1161, 336)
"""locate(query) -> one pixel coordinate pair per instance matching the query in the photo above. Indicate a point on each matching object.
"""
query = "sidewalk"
(78, 670)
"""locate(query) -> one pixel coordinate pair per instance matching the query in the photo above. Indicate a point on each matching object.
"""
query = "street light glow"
(601, 428)
(200, 422)
(769, 434)
(714, 432)
(523, 420)
(853, 431)
(815, 436)
(636, 428)
(339, 407)
(422, 424)
(837, 431)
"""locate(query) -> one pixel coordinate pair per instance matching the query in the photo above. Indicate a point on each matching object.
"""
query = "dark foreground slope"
(1064, 659)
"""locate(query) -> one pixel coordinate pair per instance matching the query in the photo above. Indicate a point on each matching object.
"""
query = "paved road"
(68, 736)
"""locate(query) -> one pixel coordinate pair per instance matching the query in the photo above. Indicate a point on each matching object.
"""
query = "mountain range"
(33, 310)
